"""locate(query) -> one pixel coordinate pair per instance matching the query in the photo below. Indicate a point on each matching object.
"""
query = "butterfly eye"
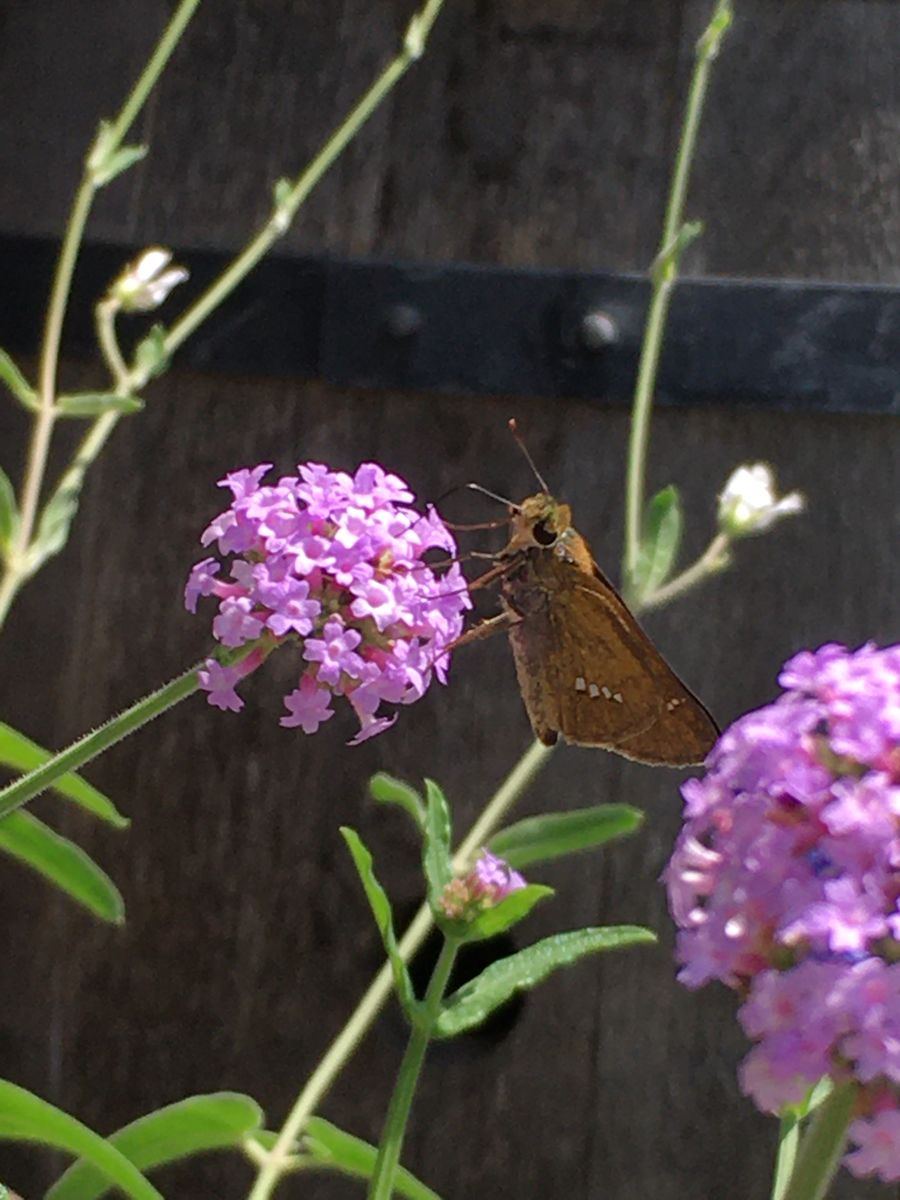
(542, 535)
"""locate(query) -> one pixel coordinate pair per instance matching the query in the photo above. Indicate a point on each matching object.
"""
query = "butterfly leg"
(487, 628)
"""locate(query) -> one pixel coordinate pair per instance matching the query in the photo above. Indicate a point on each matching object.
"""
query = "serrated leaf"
(24, 1117)
(150, 354)
(514, 908)
(17, 383)
(22, 754)
(9, 511)
(660, 542)
(551, 835)
(476, 1000)
(381, 911)
(388, 790)
(329, 1146)
(436, 857)
(200, 1123)
(107, 166)
(64, 864)
(95, 404)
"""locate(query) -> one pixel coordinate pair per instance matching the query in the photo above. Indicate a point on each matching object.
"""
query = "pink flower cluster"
(785, 883)
(332, 562)
(490, 880)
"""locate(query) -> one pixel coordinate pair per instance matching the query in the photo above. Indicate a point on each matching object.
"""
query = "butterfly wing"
(588, 671)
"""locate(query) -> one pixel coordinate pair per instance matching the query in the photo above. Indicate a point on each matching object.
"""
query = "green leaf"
(55, 522)
(21, 753)
(17, 383)
(508, 912)
(29, 840)
(107, 167)
(436, 859)
(388, 790)
(95, 404)
(476, 1000)
(24, 1117)
(551, 835)
(659, 545)
(150, 355)
(381, 910)
(329, 1146)
(9, 512)
(191, 1126)
(281, 192)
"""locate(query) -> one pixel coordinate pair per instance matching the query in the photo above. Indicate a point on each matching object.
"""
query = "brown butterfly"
(585, 667)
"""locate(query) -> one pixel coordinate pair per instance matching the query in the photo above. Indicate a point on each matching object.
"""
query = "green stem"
(289, 202)
(664, 275)
(16, 570)
(715, 558)
(342, 1048)
(105, 315)
(788, 1141)
(381, 1185)
(25, 788)
(822, 1146)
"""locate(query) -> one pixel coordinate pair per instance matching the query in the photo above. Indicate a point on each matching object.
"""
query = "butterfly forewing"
(587, 670)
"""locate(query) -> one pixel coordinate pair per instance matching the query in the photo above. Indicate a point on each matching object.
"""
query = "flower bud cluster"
(333, 563)
(785, 884)
(490, 880)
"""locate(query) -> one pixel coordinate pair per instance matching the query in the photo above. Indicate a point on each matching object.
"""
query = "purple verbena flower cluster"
(333, 562)
(490, 880)
(785, 883)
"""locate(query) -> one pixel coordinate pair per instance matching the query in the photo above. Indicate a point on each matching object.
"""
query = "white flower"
(146, 282)
(748, 503)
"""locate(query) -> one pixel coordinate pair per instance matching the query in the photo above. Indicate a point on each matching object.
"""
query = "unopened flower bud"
(748, 503)
(145, 283)
(490, 880)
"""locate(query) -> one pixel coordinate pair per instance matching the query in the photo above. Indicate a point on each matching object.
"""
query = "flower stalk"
(822, 1145)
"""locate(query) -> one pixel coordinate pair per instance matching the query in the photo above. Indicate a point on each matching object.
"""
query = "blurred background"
(531, 135)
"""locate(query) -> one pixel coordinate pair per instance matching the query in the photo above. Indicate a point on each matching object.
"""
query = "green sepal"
(503, 915)
(18, 385)
(387, 790)
(330, 1147)
(660, 541)
(476, 1000)
(63, 863)
(381, 911)
(104, 162)
(552, 835)
(25, 1117)
(21, 753)
(437, 862)
(95, 404)
(151, 357)
(9, 513)
(219, 1121)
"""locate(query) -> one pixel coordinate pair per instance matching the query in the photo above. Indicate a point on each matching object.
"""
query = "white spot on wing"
(593, 691)
(617, 696)
(606, 692)
(580, 685)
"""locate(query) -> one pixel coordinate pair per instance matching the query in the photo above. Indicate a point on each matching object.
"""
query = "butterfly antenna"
(520, 442)
(476, 487)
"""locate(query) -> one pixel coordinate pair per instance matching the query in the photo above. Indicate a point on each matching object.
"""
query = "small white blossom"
(146, 282)
(748, 503)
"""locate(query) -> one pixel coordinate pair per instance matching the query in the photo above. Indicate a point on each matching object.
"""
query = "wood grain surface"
(531, 133)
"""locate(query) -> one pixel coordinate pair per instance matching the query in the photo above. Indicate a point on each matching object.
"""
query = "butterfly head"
(539, 521)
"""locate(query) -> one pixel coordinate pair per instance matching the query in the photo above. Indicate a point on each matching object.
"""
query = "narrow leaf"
(388, 790)
(551, 835)
(436, 860)
(381, 910)
(329, 1146)
(16, 382)
(111, 165)
(95, 404)
(508, 912)
(21, 753)
(660, 542)
(191, 1126)
(150, 354)
(476, 1000)
(29, 840)
(9, 511)
(24, 1117)
(55, 522)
